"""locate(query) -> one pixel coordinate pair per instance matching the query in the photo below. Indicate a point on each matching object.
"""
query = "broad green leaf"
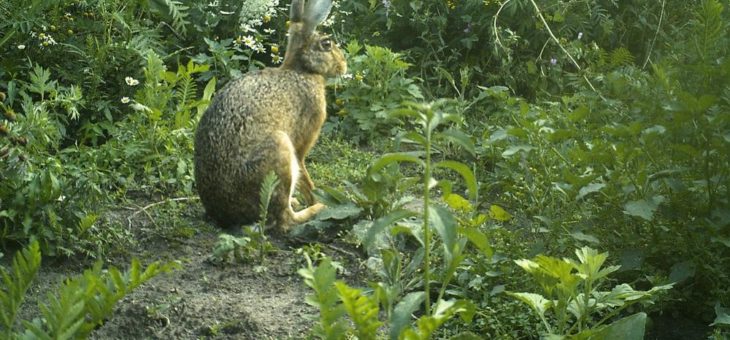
(334, 196)
(722, 240)
(629, 328)
(580, 236)
(632, 259)
(682, 271)
(380, 224)
(621, 293)
(403, 312)
(442, 312)
(643, 208)
(462, 169)
(459, 138)
(723, 316)
(529, 266)
(498, 135)
(537, 302)
(414, 138)
(514, 149)
(444, 223)
(458, 203)
(466, 336)
(410, 230)
(445, 309)
(590, 188)
(589, 267)
(207, 95)
(496, 212)
(340, 212)
(397, 157)
(656, 129)
(551, 273)
(479, 239)
(405, 112)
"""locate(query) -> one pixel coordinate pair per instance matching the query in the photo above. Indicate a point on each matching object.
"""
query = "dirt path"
(203, 299)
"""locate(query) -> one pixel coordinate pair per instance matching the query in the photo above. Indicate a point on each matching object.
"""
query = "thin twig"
(658, 27)
(539, 56)
(343, 251)
(497, 41)
(144, 209)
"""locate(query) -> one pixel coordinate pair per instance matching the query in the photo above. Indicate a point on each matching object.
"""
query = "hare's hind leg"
(288, 170)
(306, 185)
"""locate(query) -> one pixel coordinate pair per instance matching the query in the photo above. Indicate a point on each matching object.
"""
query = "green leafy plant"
(243, 247)
(335, 299)
(430, 117)
(321, 278)
(572, 293)
(377, 84)
(81, 304)
(16, 283)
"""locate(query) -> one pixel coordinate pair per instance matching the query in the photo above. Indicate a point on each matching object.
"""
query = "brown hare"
(268, 120)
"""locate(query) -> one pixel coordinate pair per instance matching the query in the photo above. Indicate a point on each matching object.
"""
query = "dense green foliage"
(80, 305)
(560, 124)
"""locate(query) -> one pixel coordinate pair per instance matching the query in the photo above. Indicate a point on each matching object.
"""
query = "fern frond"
(363, 311)
(85, 301)
(267, 190)
(186, 93)
(179, 13)
(24, 269)
(709, 26)
(63, 315)
(621, 57)
(144, 40)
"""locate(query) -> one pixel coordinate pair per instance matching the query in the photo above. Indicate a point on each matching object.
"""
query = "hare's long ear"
(297, 11)
(315, 13)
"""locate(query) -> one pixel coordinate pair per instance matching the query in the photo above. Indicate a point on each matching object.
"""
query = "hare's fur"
(268, 120)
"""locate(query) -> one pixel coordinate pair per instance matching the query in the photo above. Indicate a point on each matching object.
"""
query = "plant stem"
(656, 34)
(426, 227)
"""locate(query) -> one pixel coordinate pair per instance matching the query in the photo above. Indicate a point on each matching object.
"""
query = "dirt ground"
(205, 299)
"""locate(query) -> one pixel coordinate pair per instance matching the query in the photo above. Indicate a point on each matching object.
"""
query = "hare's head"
(307, 49)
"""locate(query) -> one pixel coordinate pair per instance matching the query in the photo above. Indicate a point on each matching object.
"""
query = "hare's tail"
(287, 168)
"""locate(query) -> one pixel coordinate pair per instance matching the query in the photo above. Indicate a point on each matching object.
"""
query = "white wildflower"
(258, 48)
(125, 100)
(21, 47)
(246, 28)
(249, 41)
(253, 11)
(131, 81)
(139, 107)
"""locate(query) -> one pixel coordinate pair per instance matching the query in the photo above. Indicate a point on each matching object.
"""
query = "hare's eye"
(326, 44)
